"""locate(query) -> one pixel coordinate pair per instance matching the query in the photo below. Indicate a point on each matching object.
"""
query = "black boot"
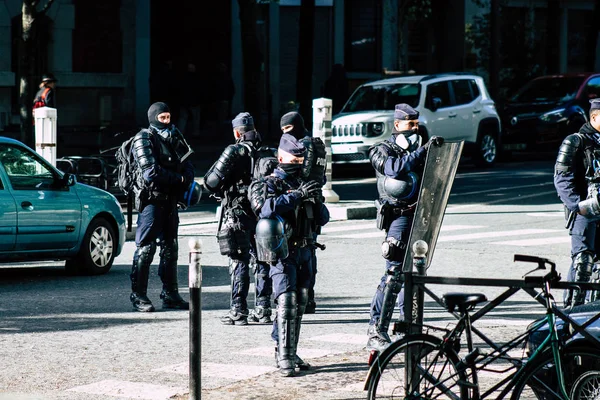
(141, 302)
(171, 299)
(140, 271)
(235, 317)
(167, 270)
(286, 325)
(260, 314)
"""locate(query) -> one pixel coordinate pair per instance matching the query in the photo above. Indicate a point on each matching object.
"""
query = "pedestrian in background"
(229, 178)
(46, 96)
(577, 182)
(399, 162)
(166, 180)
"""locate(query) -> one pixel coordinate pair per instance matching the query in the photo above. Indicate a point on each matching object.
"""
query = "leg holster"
(167, 268)
(287, 313)
(140, 270)
(390, 294)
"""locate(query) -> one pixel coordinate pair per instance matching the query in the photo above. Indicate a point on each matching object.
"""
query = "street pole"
(195, 279)
(322, 130)
(417, 297)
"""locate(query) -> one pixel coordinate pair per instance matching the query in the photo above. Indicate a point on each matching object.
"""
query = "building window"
(363, 35)
(97, 37)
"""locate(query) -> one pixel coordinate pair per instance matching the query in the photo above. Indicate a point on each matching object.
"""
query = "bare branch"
(46, 7)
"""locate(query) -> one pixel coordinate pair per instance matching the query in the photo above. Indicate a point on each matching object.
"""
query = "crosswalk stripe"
(303, 352)
(484, 235)
(340, 338)
(536, 242)
(366, 235)
(130, 390)
(346, 227)
(236, 371)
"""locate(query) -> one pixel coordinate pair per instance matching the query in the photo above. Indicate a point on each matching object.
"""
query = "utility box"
(45, 133)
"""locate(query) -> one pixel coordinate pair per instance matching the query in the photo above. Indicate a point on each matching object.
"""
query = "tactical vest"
(591, 163)
(401, 191)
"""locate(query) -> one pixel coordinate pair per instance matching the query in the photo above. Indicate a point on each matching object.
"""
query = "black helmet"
(271, 239)
(191, 196)
(49, 77)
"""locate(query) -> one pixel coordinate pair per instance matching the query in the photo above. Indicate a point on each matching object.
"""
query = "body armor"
(395, 191)
(315, 161)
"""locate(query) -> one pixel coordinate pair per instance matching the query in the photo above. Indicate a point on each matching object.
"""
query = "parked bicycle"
(426, 366)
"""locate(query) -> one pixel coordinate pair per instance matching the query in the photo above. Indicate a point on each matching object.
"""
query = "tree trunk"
(305, 60)
(494, 49)
(553, 37)
(592, 39)
(252, 58)
(26, 64)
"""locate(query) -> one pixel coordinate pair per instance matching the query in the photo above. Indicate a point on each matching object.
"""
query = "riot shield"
(438, 176)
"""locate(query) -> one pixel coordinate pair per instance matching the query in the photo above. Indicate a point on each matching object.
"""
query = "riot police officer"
(229, 177)
(399, 162)
(167, 180)
(313, 169)
(577, 182)
(286, 207)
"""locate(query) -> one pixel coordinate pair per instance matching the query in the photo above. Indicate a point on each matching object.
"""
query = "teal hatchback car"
(46, 215)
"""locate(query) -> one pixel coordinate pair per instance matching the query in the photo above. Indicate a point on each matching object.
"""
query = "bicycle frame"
(415, 283)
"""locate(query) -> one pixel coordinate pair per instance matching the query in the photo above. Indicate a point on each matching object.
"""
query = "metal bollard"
(322, 130)
(420, 248)
(195, 279)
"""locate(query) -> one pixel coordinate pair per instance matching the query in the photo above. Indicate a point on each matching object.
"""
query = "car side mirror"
(436, 103)
(68, 180)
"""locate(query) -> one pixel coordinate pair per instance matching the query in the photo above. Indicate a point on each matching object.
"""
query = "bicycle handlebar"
(541, 262)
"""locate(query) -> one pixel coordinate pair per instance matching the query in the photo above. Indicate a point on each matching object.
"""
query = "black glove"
(435, 141)
(308, 190)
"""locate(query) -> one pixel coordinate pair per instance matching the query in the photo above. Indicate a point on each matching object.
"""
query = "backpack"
(40, 101)
(265, 162)
(127, 168)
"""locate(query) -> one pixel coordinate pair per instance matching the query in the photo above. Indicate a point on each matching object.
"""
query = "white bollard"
(45, 133)
(322, 130)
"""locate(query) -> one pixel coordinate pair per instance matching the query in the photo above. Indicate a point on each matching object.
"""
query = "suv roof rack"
(443, 74)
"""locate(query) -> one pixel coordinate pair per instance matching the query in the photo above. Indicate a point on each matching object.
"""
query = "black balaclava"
(153, 112)
(295, 119)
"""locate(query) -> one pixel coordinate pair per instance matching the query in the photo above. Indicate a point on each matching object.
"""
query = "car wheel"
(97, 251)
(486, 150)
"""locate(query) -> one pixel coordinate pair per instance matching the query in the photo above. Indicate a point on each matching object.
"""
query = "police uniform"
(284, 200)
(398, 168)
(577, 182)
(230, 177)
(313, 169)
(165, 179)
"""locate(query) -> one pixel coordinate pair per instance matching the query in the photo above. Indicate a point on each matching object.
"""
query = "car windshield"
(383, 97)
(549, 89)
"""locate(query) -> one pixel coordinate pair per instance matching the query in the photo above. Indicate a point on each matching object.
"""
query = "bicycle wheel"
(436, 375)
(539, 380)
(587, 386)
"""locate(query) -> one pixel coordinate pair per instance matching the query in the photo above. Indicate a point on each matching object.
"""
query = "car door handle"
(452, 115)
(27, 205)
(476, 110)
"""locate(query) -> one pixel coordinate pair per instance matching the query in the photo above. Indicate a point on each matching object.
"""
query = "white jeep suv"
(453, 106)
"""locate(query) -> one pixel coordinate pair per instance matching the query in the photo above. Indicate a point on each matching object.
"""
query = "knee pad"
(145, 254)
(169, 251)
(583, 263)
(392, 249)
(287, 305)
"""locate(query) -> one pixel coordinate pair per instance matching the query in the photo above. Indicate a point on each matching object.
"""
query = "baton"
(320, 246)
